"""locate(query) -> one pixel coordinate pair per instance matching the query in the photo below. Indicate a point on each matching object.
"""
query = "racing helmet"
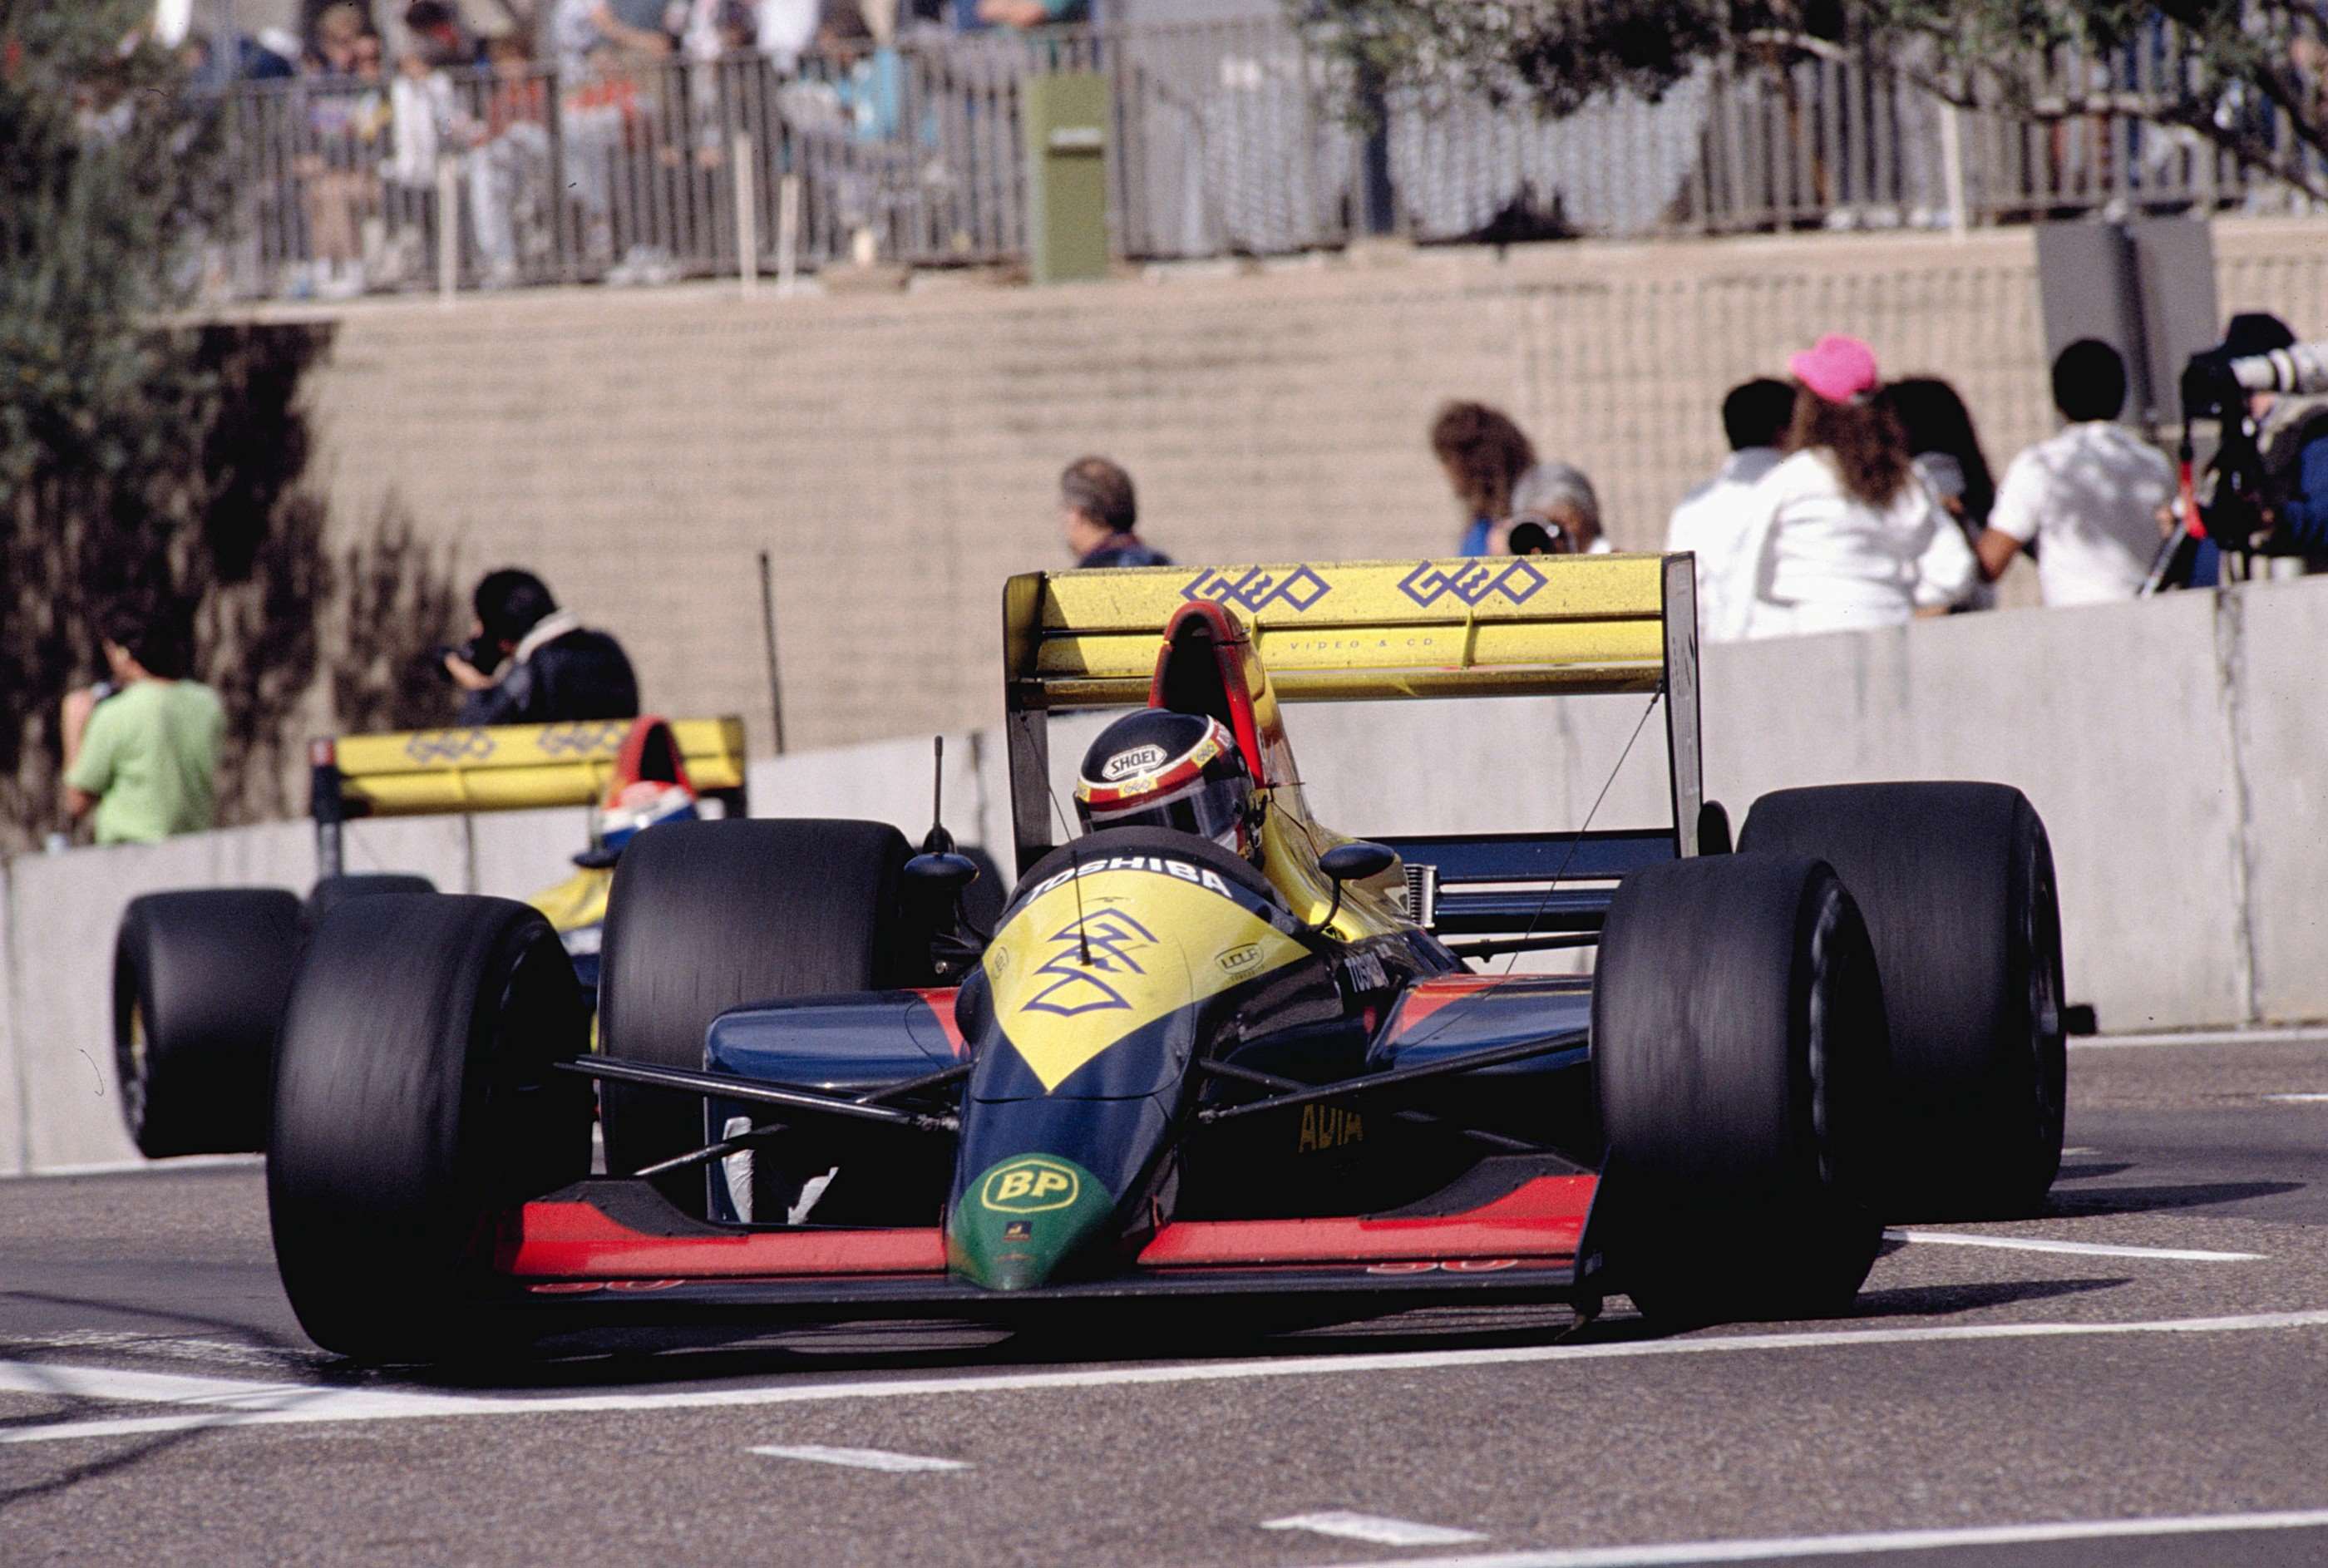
(639, 806)
(1161, 769)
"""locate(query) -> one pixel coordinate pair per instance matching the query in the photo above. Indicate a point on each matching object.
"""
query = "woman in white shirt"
(1844, 536)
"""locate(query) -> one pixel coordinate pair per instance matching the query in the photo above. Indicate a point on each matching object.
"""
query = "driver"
(1160, 769)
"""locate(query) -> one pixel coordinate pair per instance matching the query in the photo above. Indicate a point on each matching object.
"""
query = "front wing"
(614, 1245)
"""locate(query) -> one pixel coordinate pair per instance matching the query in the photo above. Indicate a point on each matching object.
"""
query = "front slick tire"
(1738, 1050)
(415, 1099)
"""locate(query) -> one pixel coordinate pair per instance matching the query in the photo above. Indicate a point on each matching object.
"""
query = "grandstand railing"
(1228, 138)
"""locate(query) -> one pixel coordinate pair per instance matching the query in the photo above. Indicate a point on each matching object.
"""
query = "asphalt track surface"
(2155, 1398)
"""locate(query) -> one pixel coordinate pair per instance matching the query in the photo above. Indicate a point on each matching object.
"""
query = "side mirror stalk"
(1352, 862)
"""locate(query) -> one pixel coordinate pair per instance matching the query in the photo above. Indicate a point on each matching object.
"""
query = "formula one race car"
(200, 974)
(1212, 1055)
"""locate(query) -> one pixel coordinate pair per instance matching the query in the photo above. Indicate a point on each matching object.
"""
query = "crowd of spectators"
(634, 95)
(1850, 501)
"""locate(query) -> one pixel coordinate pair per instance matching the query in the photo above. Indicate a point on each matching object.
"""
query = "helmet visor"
(1209, 807)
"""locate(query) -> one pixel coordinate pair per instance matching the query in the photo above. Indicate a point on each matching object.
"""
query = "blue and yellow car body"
(1173, 1074)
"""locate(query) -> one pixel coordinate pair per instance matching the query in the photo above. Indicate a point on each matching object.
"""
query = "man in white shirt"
(2086, 499)
(1713, 518)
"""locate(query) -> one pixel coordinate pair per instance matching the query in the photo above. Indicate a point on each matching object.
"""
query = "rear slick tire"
(417, 1098)
(330, 892)
(199, 982)
(1956, 881)
(1738, 1050)
(705, 916)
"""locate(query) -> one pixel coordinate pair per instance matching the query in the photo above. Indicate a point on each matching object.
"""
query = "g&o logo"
(1029, 1185)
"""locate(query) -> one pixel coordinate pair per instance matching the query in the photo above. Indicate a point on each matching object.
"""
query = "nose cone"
(1022, 1219)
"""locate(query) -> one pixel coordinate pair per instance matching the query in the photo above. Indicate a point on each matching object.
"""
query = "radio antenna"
(1076, 876)
(937, 841)
(1074, 872)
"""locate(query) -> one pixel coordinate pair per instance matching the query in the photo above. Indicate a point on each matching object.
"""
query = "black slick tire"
(415, 1099)
(330, 892)
(705, 916)
(1956, 881)
(199, 982)
(1738, 1056)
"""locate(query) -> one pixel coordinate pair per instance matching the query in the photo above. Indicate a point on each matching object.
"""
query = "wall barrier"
(2171, 746)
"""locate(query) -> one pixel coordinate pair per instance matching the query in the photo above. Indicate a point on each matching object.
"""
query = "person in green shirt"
(143, 752)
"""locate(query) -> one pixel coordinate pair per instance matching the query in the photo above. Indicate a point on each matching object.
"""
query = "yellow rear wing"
(506, 767)
(1367, 630)
(1361, 631)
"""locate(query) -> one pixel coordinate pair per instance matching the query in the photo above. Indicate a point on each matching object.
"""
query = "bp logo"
(1030, 1186)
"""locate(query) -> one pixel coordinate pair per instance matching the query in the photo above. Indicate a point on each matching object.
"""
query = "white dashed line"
(278, 1404)
(2073, 1249)
(861, 1459)
(1674, 1554)
(2296, 1099)
(1374, 1529)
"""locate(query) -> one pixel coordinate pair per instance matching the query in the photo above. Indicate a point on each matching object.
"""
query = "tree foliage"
(2249, 76)
(142, 454)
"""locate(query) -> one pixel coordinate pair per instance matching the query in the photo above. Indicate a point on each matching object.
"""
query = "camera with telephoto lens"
(480, 653)
(2215, 386)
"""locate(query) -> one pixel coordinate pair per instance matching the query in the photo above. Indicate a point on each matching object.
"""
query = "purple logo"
(449, 746)
(583, 739)
(1516, 580)
(1257, 589)
(1104, 937)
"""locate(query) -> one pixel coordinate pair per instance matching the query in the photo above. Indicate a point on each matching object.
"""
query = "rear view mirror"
(1356, 860)
(950, 873)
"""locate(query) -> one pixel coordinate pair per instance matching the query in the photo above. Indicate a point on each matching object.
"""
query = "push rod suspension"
(1370, 1083)
(721, 1087)
(752, 1136)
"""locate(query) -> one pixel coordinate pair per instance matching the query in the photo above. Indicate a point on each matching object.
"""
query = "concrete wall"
(896, 454)
(2172, 747)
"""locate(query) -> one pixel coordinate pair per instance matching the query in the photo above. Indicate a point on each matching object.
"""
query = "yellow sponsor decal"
(1029, 1185)
(1328, 1127)
(1109, 949)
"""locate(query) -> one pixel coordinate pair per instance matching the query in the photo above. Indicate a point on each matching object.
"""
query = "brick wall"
(896, 453)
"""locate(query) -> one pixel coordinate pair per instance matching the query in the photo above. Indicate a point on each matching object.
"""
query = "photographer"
(557, 669)
(2266, 491)
(2291, 441)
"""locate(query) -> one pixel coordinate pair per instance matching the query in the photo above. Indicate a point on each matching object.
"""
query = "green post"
(1066, 120)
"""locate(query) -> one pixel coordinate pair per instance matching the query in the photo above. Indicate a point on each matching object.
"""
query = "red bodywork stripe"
(941, 1001)
(1544, 1218)
(562, 1240)
(1428, 996)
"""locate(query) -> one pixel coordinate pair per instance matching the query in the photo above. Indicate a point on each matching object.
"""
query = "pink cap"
(1836, 368)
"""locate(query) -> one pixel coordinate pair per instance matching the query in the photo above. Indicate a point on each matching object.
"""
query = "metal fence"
(1228, 137)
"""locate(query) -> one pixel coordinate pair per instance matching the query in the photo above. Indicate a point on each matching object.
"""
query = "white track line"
(1373, 1527)
(861, 1458)
(269, 1404)
(2074, 1249)
(2274, 1037)
(1673, 1553)
(145, 1167)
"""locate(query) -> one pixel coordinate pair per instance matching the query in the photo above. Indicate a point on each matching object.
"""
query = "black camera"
(480, 653)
